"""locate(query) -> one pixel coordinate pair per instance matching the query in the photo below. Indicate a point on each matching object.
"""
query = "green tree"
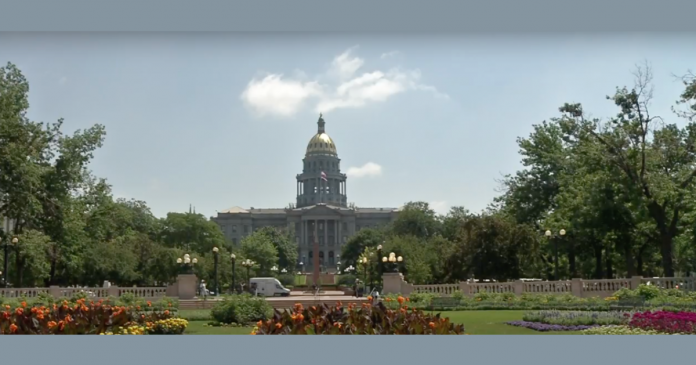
(356, 245)
(416, 219)
(259, 248)
(287, 249)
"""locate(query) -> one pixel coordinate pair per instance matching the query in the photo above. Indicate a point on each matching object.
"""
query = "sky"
(217, 120)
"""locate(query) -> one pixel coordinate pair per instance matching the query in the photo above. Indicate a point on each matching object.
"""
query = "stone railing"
(97, 293)
(395, 283)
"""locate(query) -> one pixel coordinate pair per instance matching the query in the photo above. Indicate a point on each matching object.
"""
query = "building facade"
(321, 211)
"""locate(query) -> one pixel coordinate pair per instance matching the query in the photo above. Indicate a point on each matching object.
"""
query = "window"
(234, 229)
(321, 225)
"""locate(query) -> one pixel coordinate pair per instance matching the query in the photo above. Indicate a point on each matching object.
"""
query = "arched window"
(331, 257)
(321, 257)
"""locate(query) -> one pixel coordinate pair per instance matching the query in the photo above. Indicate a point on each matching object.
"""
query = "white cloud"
(275, 96)
(386, 55)
(345, 87)
(440, 207)
(367, 170)
(345, 66)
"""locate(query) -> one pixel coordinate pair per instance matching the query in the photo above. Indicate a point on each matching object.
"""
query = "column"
(326, 235)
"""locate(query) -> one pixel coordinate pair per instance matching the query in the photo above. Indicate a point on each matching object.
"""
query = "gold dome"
(321, 143)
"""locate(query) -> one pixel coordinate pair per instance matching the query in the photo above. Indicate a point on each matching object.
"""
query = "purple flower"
(542, 327)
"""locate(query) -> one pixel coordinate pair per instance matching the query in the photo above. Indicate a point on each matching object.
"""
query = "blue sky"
(222, 120)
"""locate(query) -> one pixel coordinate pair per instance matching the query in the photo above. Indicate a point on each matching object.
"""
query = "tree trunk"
(666, 251)
(571, 262)
(609, 262)
(598, 262)
(630, 264)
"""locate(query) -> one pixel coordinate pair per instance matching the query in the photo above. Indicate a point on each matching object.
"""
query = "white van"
(269, 287)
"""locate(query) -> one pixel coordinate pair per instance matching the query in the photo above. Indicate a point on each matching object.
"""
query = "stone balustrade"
(394, 283)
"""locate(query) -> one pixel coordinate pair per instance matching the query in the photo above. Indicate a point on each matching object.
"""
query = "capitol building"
(321, 205)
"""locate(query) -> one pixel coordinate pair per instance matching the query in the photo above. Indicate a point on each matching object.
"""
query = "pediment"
(319, 210)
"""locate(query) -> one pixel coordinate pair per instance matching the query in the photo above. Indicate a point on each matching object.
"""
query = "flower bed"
(543, 327)
(619, 330)
(577, 318)
(665, 322)
(363, 320)
(79, 318)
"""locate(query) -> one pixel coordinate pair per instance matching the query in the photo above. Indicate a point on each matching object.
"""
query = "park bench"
(444, 302)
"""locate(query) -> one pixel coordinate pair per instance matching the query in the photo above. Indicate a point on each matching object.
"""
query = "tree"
(287, 249)
(356, 245)
(416, 219)
(191, 231)
(657, 160)
(259, 248)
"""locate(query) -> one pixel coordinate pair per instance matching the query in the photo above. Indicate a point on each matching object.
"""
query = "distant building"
(321, 204)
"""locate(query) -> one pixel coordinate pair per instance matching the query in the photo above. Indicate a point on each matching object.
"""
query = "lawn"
(475, 322)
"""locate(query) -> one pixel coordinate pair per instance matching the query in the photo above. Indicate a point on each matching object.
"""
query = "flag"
(323, 176)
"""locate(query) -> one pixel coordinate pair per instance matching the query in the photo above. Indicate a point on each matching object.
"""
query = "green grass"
(475, 323)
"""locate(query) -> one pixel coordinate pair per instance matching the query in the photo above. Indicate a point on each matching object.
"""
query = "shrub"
(286, 279)
(365, 320)
(346, 280)
(171, 326)
(543, 327)
(619, 330)
(242, 309)
(74, 318)
(665, 322)
(576, 318)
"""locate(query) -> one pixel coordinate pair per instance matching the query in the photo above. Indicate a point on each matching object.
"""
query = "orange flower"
(149, 304)
(33, 309)
(61, 325)
(431, 325)
(166, 313)
(293, 317)
(408, 300)
(314, 308)
(68, 319)
(278, 325)
(52, 324)
(300, 317)
(24, 304)
(388, 299)
(400, 299)
(40, 316)
(6, 315)
(19, 311)
(84, 308)
(338, 304)
(142, 316)
(169, 304)
(13, 328)
(369, 298)
(259, 323)
(137, 307)
(8, 307)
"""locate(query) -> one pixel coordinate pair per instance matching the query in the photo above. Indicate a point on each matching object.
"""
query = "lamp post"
(283, 271)
(380, 266)
(363, 261)
(274, 269)
(187, 263)
(215, 271)
(248, 264)
(550, 235)
(394, 260)
(301, 267)
(6, 245)
(338, 267)
(234, 259)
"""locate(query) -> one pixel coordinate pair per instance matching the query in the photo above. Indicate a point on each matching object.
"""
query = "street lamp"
(6, 245)
(284, 271)
(338, 267)
(274, 269)
(550, 235)
(215, 270)
(380, 265)
(396, 261)
(248, 264)
(301, 267)
(234, 259)
(363, 261)
(187, 263)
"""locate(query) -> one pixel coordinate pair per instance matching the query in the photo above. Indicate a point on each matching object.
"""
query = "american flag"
(323, 176)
